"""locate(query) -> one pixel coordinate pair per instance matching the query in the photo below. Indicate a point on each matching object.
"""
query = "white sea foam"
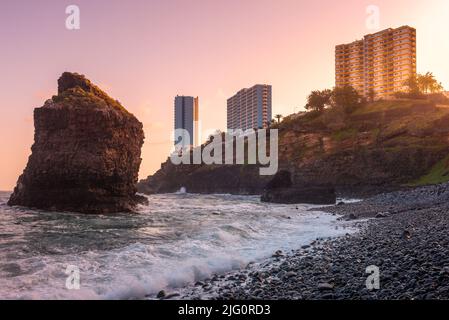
(176, 240)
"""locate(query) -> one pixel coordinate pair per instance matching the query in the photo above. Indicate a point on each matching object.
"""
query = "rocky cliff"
(380, 146)
(204, 179)
(86, 153)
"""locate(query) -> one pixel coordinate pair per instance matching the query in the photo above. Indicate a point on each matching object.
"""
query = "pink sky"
(144, 53)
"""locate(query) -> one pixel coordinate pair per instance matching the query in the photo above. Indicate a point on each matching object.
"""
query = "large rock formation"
(86, 153)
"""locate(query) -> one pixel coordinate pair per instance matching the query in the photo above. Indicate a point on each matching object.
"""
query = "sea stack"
(86, 153)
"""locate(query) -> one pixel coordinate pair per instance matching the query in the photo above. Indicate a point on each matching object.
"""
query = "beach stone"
(171, 295)
(161, 294)
(327, 296)
(325, 286)
(278, 253)
(406, 235)
(291, 195)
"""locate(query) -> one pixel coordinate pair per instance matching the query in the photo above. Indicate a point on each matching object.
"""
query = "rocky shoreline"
(403, 233)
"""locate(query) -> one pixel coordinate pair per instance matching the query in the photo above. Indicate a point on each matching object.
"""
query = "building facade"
(186, 117)
(378, 64)
(250, 108)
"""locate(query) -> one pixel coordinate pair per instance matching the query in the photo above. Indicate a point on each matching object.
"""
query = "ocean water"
(176, 240)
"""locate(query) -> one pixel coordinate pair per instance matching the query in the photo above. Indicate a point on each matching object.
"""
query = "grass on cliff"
(344, 134)
(386, 105)
(439, 173)
(393, 118)
(78, 96)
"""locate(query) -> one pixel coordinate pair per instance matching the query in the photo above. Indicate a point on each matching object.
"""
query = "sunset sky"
(145, 52)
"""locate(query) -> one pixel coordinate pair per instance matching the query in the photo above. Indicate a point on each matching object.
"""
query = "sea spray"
(173, 242)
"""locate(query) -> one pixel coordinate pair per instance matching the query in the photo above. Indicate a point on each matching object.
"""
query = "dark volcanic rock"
(282, 179)
(86, 153)
(310, 195)
(281, 190)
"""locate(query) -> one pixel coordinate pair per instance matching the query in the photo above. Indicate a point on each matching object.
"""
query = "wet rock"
(311, 195)
(406, 235)
(171, 295)
(325, 286)
(327, 296)
(278, 254)
(381, 215)
(257, 292)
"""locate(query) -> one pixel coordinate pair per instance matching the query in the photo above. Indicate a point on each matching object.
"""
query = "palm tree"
(319, 99)
(436, 87)
(428, 83)
(278, 117)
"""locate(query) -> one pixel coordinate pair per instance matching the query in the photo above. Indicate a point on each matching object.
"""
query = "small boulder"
(325, 286)
(406, 235)
(161, 294)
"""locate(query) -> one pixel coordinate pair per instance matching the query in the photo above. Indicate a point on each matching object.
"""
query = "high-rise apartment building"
(381, 62)
(186, 117)
(250, 108)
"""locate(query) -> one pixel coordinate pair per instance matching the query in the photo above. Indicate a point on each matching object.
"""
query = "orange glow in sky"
(144, 53)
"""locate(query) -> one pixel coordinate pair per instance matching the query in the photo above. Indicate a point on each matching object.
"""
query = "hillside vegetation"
(409, 135)
(377, 146)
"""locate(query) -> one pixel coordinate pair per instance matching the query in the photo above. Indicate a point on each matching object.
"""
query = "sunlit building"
(380, 63)
(250, 108)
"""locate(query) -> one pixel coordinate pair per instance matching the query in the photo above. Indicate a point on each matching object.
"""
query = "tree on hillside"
(423, 84)
(428, 84)
(278, 117)
(346, 98)
(412, 85)
(318, 100)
